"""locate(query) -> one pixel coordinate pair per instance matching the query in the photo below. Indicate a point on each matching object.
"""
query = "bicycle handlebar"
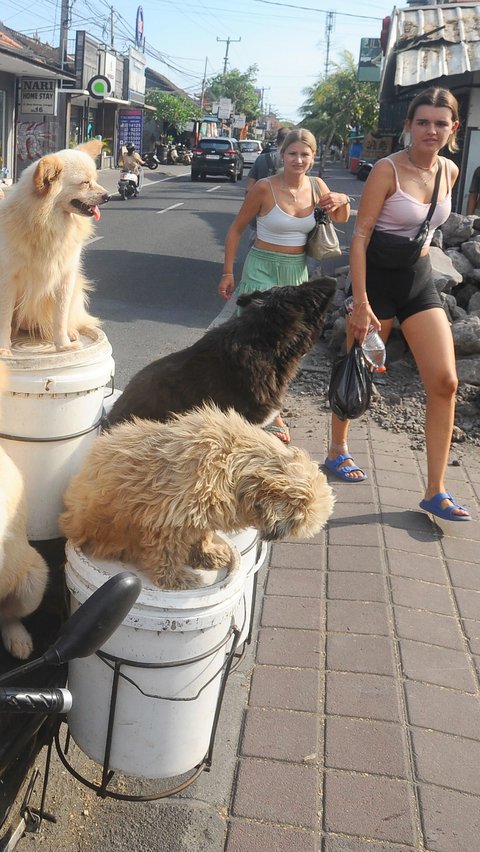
(16, 699)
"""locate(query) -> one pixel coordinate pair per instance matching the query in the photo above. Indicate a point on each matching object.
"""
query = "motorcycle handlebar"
(16, 699)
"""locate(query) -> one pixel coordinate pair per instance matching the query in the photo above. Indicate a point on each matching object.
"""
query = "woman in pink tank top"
(396, 199)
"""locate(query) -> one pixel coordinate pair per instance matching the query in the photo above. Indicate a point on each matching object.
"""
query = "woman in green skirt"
(283, 207)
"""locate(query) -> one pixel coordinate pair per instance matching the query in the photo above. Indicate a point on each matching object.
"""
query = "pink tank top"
(402, 214)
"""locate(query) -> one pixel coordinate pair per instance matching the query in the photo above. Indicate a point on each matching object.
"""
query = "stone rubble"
(398, 402)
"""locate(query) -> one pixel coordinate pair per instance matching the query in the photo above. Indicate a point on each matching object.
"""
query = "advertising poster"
(130, 128)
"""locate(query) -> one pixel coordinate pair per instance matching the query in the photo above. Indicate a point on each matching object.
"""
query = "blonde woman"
(396, 199)
(283, 206)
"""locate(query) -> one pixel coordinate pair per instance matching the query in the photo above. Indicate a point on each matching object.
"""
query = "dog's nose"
(106, 197)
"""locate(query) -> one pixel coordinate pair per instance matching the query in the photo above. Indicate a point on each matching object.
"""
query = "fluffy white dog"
(44, 222)
(23, 572)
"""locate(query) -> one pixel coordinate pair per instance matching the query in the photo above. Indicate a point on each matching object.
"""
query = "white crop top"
(403, 214)
(283, 229)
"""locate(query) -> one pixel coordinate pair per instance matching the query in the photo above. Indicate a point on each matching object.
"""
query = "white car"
(250, 149)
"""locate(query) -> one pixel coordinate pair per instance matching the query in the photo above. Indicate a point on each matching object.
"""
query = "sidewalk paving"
(362, 726)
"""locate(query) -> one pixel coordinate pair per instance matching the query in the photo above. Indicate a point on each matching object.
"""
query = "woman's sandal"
(333, 465)
(446, 513)
(280, 432)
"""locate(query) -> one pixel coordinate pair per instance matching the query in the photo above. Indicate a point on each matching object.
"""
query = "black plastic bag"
(350, 386)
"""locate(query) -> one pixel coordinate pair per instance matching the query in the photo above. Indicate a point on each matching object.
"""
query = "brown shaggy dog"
(154, 494)
(246, 364)
(44, 222)
(23, 572)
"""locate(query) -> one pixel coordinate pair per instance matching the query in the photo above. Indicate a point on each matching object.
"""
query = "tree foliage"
(171, 111)
(338, 102)
(239, 88)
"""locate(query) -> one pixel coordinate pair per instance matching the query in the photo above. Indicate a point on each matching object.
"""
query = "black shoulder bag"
(391, 251)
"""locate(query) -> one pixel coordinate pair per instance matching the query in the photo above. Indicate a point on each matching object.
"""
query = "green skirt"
(263, 270)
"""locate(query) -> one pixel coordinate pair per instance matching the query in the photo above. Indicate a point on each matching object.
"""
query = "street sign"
(224, 108)
(38, 96)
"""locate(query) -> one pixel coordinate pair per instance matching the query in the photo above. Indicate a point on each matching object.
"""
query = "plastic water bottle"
(373, 346)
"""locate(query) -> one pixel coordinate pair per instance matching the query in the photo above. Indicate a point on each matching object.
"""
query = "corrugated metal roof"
(435, 41)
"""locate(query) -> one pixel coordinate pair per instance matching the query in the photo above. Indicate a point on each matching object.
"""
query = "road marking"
(214, 188)
(172, 207)
(94, 240)
(162, 180)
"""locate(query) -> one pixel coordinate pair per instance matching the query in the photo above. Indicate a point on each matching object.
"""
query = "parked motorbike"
(172, 155)
(184, 155)
(129, 185)
(31, 714)
(151, 160)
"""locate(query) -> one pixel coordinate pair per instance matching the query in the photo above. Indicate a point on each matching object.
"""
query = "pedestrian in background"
(269, 162)
(474, 193)
(396, 199)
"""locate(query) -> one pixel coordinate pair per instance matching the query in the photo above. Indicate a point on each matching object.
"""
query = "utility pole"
(329, 27)
(202, 99)
(112, 27)
(64, 24)
(227, 42)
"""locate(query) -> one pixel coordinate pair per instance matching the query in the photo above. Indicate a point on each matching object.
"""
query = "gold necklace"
(292, 192)
(424, 179)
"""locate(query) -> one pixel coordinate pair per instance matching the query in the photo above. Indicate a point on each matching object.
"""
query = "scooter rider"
(131, 161)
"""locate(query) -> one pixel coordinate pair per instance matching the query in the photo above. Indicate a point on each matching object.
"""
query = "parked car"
(218, 155)
(250, 149)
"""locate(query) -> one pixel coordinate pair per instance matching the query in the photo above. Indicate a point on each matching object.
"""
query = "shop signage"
(139, 32)
(99, 87)
(130, 128)
(38, 96)
(224, 108)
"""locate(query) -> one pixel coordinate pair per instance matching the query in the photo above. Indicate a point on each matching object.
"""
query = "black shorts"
(403, 292)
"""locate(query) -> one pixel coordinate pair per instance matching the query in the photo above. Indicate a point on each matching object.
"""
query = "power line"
(310, 9)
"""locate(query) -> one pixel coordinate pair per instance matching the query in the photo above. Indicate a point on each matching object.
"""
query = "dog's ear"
(247, 298)
(93, 148)
(48, 171)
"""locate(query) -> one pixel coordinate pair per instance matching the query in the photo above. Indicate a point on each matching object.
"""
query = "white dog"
(44, 222)
(23, 572)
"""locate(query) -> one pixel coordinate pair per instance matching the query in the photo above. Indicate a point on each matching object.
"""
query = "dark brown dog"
(246, 364)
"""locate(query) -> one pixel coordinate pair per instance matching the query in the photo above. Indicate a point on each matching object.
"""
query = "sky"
(290, 42)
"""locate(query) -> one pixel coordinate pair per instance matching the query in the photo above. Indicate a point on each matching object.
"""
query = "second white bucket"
(252, 554)
(49, 415)
(173, 648)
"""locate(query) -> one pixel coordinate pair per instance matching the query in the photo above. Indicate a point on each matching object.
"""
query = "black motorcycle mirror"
(90, 625)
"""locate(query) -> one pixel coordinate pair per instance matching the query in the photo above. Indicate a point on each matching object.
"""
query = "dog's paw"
(6, 353)
(211, 557)
(17, 640)
(67, 347)
(73, 334)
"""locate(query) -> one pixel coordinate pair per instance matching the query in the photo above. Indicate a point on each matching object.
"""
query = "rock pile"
(399, 403)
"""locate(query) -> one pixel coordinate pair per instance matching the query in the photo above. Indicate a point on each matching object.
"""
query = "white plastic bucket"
(165, 729)
(50, 414)
(252, 555)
